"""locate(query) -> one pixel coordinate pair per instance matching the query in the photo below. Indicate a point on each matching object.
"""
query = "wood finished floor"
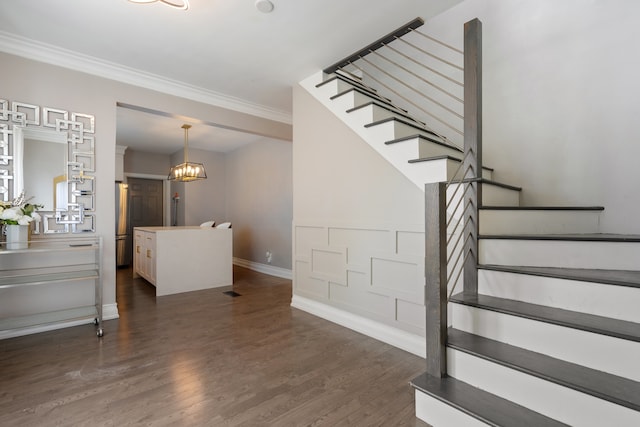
(206, 359)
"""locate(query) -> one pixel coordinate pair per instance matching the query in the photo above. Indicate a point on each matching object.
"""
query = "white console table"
(183, 259)
(52, 283)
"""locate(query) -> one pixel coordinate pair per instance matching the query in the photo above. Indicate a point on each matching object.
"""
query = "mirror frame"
(22, 121)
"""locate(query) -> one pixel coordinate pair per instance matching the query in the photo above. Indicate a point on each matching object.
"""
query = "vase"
(17, 236)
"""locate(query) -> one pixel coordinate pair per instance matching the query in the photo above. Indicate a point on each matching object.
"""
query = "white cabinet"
(183, 259)
(52, 283)
(144, 259)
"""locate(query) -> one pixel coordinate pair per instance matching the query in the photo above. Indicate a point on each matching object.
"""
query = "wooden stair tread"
(445, 156)
(543, 208)
(425, 137)
(480, 404)
(594, 237)
(613, 277)
(613, 388)
(410, 123)
(365, 92)
(390, 108)
(572, 319)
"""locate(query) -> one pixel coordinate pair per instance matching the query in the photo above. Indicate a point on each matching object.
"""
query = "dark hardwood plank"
(206, 359)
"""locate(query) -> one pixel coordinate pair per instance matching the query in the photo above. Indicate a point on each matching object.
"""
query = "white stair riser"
(438, 414)
(601, 352)
(491, 195)
(560, 253)
(428, 149)
(372, 113)
(550, 399)
(388, 131)
(617, 302)
(333, 88)
(538, 222)
(349, 100)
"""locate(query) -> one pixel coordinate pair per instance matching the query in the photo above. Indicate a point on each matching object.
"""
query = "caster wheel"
(100, 332)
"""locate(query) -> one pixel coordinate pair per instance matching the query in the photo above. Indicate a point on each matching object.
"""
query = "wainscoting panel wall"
(376, 272)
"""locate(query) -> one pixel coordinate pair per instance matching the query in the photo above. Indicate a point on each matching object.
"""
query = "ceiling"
(226, 49)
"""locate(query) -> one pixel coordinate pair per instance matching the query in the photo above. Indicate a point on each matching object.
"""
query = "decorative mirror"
(52, 160)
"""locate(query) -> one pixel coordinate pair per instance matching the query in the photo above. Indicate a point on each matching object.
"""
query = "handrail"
(421, 73)
(408, 27)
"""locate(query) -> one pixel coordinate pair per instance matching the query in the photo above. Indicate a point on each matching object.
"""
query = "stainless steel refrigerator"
(124, 238)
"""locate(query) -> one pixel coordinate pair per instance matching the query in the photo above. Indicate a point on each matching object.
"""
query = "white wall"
(259, 200)
(560, 85)
(358, 224)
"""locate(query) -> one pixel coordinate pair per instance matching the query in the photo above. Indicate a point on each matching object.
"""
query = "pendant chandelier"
(187, 171)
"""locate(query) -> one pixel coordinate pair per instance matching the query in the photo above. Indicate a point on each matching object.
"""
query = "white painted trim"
(396, 337)
(264, 268)
(37, 51)
(110, 311)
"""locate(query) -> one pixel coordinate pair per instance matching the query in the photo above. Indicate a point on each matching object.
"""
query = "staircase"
(552, 335)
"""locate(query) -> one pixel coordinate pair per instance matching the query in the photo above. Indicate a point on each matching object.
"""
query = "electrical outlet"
(269, 256)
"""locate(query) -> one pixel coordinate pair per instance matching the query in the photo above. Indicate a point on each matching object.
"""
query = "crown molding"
(42, 52)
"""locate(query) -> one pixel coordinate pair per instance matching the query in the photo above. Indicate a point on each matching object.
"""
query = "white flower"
(36, 216)
(24, 220)
(13, 213)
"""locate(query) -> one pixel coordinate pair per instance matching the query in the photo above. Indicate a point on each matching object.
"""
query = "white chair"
(208, 224)
(224, 225)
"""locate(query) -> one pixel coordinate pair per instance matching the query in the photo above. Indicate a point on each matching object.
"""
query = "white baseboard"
(110, 311)
(396, 337)
(264, 268)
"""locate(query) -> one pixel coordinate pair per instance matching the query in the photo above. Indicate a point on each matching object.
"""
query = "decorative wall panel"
(376, 272)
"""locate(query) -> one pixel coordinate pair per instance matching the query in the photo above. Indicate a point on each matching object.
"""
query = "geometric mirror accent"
(74, 194)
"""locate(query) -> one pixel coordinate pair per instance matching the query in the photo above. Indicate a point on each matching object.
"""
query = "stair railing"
(422, 74)
(449, 212)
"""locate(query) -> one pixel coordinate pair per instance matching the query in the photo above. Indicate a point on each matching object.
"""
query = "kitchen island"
(183, 259)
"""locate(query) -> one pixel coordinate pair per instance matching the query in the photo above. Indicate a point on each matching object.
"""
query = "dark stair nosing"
(444, 156)
(543, 208)
(364, 92)
(353, 83)
(482, 405)
(609, 277)
(490, 182)
(405, 122)
(389, 108)
(615, 328)
(609, 387)
(593, 237)
(412, 137)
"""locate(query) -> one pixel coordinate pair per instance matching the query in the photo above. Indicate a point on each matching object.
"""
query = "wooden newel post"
(436, 278)
(472, 147)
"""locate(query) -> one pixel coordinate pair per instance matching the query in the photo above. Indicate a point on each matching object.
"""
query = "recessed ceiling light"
(264, 6)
